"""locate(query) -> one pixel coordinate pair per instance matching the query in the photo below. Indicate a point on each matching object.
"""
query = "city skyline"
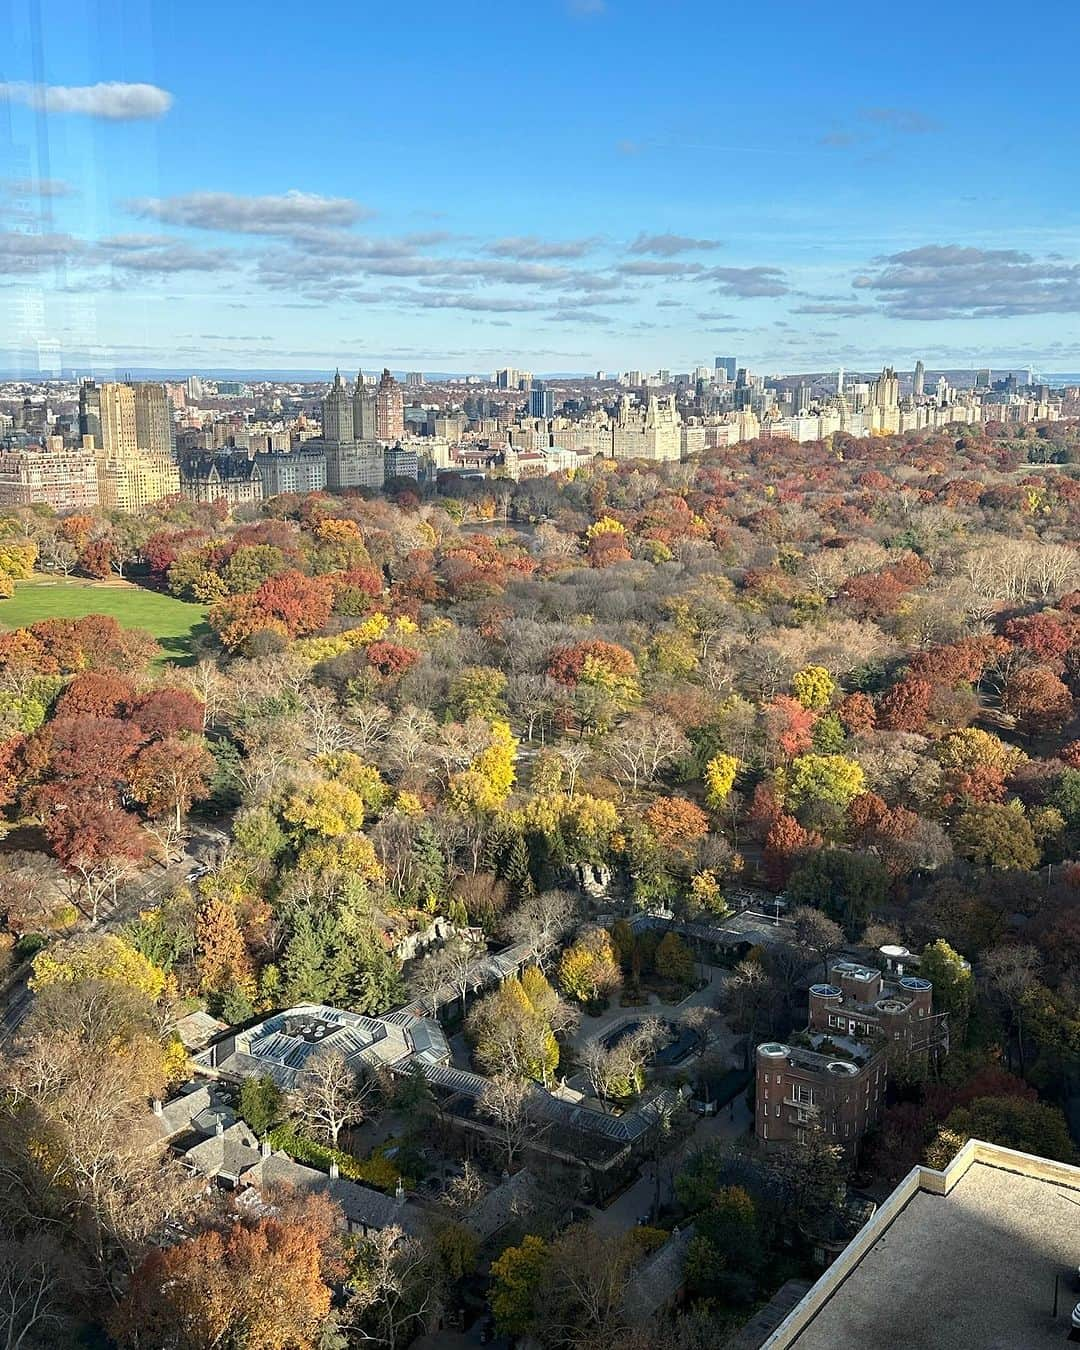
(578, 207)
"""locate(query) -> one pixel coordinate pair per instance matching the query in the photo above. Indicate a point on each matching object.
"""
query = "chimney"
(220, 1127)
(265, 1149)
(399, 1193)
(334, 1170)
(157, 1106)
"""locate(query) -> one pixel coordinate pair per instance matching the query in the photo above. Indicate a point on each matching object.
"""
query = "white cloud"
(667, 245)
(942, 281)
(529, 247)
(113, 101)
(21, 253)
(275, 214)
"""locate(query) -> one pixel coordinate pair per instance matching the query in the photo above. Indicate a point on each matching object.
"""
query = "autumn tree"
(257, 1284)
(588, 969)
(505, 1103)
(169, 775)
(998, 836)
(222, 960)
(785, 844)
(1038, 700)
(676, 821)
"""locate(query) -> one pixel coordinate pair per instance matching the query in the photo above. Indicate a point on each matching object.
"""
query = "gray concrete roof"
(973, 1268)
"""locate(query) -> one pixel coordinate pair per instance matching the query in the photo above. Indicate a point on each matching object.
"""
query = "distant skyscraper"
(337, 413)
(90, 411)
(153, 418)
(918, 380)
(363, 410)
(726, 365)
(389, 409)
(118, 437)
(886, 393)
(840, 380)
(802, 397)
(541, 401)
(982, 379)
(414, 379)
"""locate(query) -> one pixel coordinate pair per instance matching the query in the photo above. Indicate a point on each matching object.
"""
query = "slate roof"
(363, 1207)
(657, 1281)
(228, 1154)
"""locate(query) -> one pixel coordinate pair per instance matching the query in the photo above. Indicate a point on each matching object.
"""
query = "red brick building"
(834, 1079)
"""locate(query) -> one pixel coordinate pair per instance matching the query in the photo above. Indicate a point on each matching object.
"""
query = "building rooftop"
(956, 1259)
(656, 1283)
(362, 1206)
(285, 1045)
(516, 1197)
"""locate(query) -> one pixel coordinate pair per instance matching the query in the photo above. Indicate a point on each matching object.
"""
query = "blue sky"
(553, 184)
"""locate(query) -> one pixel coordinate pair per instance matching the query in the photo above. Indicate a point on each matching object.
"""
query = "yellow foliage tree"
(353, 854)
(105, 957)
(720, 779)
(17, 560)
(484, 786)
(326, 808)
(605, 525)
(814, 687)
(828, 778)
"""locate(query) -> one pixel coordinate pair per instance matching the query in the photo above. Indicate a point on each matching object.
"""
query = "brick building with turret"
(833, 1076)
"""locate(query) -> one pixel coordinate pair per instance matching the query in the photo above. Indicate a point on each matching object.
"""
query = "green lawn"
(174, 623)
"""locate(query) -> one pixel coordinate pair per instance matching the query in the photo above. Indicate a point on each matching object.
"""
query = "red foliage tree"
(1071, 754)
(303, 604)
(857, 714)
(764, 810)
(390, 658)
(1046, 638)
(676, 821)
(905, 706)
(789, 726)
(96, 558)
(93, 692)
(607, 548)
(568, 663)
(785, 846)
(167, 712)
(258, 1285)
(87, 758)
(1037, 699)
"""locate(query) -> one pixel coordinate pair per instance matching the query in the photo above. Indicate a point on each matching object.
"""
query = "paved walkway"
(592, 1027)
(637, 1202)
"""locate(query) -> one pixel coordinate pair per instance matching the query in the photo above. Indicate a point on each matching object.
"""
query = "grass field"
(174, 623)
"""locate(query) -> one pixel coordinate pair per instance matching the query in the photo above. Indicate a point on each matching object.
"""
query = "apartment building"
(231, 478)
(834, 1078)
(63, 477)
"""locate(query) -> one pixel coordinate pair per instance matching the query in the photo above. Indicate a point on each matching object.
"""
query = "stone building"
(232, 478)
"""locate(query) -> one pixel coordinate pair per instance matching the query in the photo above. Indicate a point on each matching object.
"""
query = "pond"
(680, 1042)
